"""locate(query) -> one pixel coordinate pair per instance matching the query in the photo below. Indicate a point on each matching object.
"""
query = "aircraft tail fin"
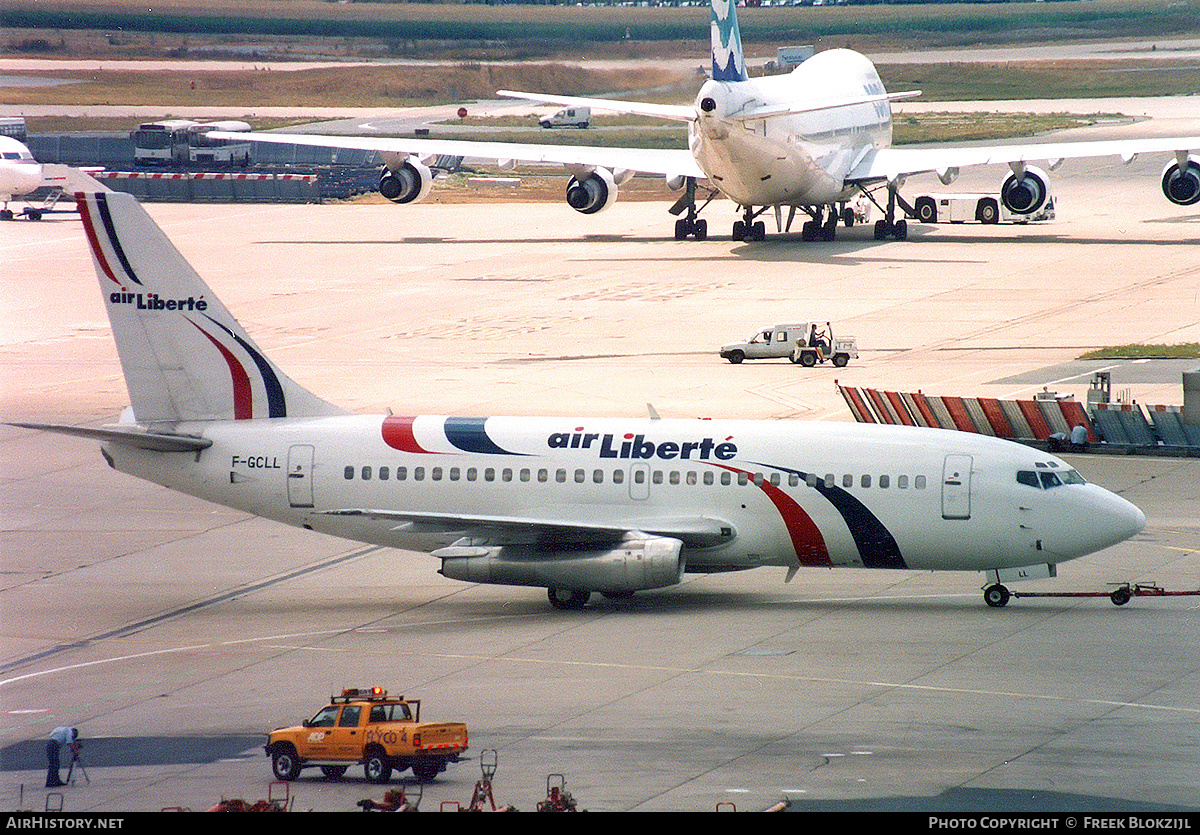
(728, 62)
(184, 356)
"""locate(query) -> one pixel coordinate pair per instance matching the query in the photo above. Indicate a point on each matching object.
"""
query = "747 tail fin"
(184, 356)
(728, 62)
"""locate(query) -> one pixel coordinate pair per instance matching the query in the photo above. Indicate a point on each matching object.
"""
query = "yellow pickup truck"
(366, 726)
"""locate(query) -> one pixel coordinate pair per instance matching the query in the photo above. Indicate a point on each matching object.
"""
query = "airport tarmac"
(175, 634)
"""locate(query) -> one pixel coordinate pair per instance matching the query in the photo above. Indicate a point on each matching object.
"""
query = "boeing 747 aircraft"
(573, 505)
(811, 140)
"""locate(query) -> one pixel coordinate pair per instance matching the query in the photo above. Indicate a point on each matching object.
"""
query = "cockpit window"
(1050, 480)
(1029, 478)
(1045, 481)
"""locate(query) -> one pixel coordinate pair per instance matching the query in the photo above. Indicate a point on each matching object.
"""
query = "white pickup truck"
(804, 343)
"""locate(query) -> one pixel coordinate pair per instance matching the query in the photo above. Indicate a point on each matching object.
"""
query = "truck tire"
(840, 360)
(736, 356)
(808, 359)
(926, 210)
(428, 769)
(285, 763)
(987, 211)
(377, 766)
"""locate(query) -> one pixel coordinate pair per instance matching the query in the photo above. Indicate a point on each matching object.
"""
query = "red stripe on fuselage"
(805, 535)
(398, 434)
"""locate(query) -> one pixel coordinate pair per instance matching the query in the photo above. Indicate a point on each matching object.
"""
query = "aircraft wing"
(890, 163)
(667, 162)
(697, 531)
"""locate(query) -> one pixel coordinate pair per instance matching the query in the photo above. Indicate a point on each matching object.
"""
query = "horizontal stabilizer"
(670, 112)
(770, 111)
(157, 441)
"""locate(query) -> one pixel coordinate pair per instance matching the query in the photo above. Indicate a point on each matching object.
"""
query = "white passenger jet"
(20, 174)
(573, 505)
(811, 140)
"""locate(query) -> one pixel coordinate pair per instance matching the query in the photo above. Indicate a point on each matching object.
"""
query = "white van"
(568, 117)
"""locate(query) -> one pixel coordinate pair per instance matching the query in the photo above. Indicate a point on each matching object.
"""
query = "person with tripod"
(60, 738)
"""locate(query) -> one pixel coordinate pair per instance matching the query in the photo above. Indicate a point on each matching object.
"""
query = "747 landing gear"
(691, 225)
(897, 229)
(748, 229)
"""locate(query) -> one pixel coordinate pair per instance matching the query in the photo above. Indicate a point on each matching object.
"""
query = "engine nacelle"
(1182, 185)
(409, 183)
(636, 564)
(593, 193)
(1025, 194)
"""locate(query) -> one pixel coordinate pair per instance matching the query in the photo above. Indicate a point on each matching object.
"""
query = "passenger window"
(866, 481)
(418, 473)
(743, 479)
(774, 479)
(811, 479)
(598, 476)
(348, 473)
(401, 473)
(657, 477)
(472, 474)
(691, 478)
(708, 477)
(902, 482)
(454, 473)
(560, 476)
(366, 473)
(639, 477)
(384, 473)
(618, 476)
(828, 479)
(884, 482)
(726, 478)
(435, 474)
(919, 482)
(847, 480)
(580, 476)
(489, 474)
(543, 475)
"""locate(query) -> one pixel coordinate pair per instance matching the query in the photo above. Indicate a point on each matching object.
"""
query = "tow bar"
(1122, 594)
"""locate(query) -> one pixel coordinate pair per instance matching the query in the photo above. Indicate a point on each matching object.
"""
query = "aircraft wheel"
(700, 229)
(739, 230)
(1120, 596)
(759, 231)
(881, 230)
(996, 596)
(683, 228)
(568, 599)
(847, 217)
(6, 214)
(900, 230)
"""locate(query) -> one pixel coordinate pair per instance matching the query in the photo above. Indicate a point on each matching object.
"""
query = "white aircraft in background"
(814, 140)
(574, 505)
(20, 174)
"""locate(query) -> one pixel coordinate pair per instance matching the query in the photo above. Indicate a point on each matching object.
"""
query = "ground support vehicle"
(804, 343)
(568, 117)
(984, 208)
(369, 728)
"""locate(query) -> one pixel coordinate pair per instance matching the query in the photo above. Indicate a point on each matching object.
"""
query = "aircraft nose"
(1116, 520)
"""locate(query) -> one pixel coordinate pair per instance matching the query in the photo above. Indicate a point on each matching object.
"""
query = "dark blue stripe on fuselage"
(877, 548)
(468, 434)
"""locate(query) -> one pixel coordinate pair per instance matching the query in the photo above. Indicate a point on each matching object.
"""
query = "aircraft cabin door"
(299, 475)
(956, 487)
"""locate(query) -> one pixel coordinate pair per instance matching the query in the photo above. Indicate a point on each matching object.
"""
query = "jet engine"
(409, 183)
(1026, 192)
(592, 193)
(639, 562)
(1181, 184)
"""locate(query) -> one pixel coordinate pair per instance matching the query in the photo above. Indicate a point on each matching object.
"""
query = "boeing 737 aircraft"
(811, 140)
(573, 505)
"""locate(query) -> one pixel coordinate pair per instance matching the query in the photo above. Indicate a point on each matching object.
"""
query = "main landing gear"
(890, 227)
(691, 226)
